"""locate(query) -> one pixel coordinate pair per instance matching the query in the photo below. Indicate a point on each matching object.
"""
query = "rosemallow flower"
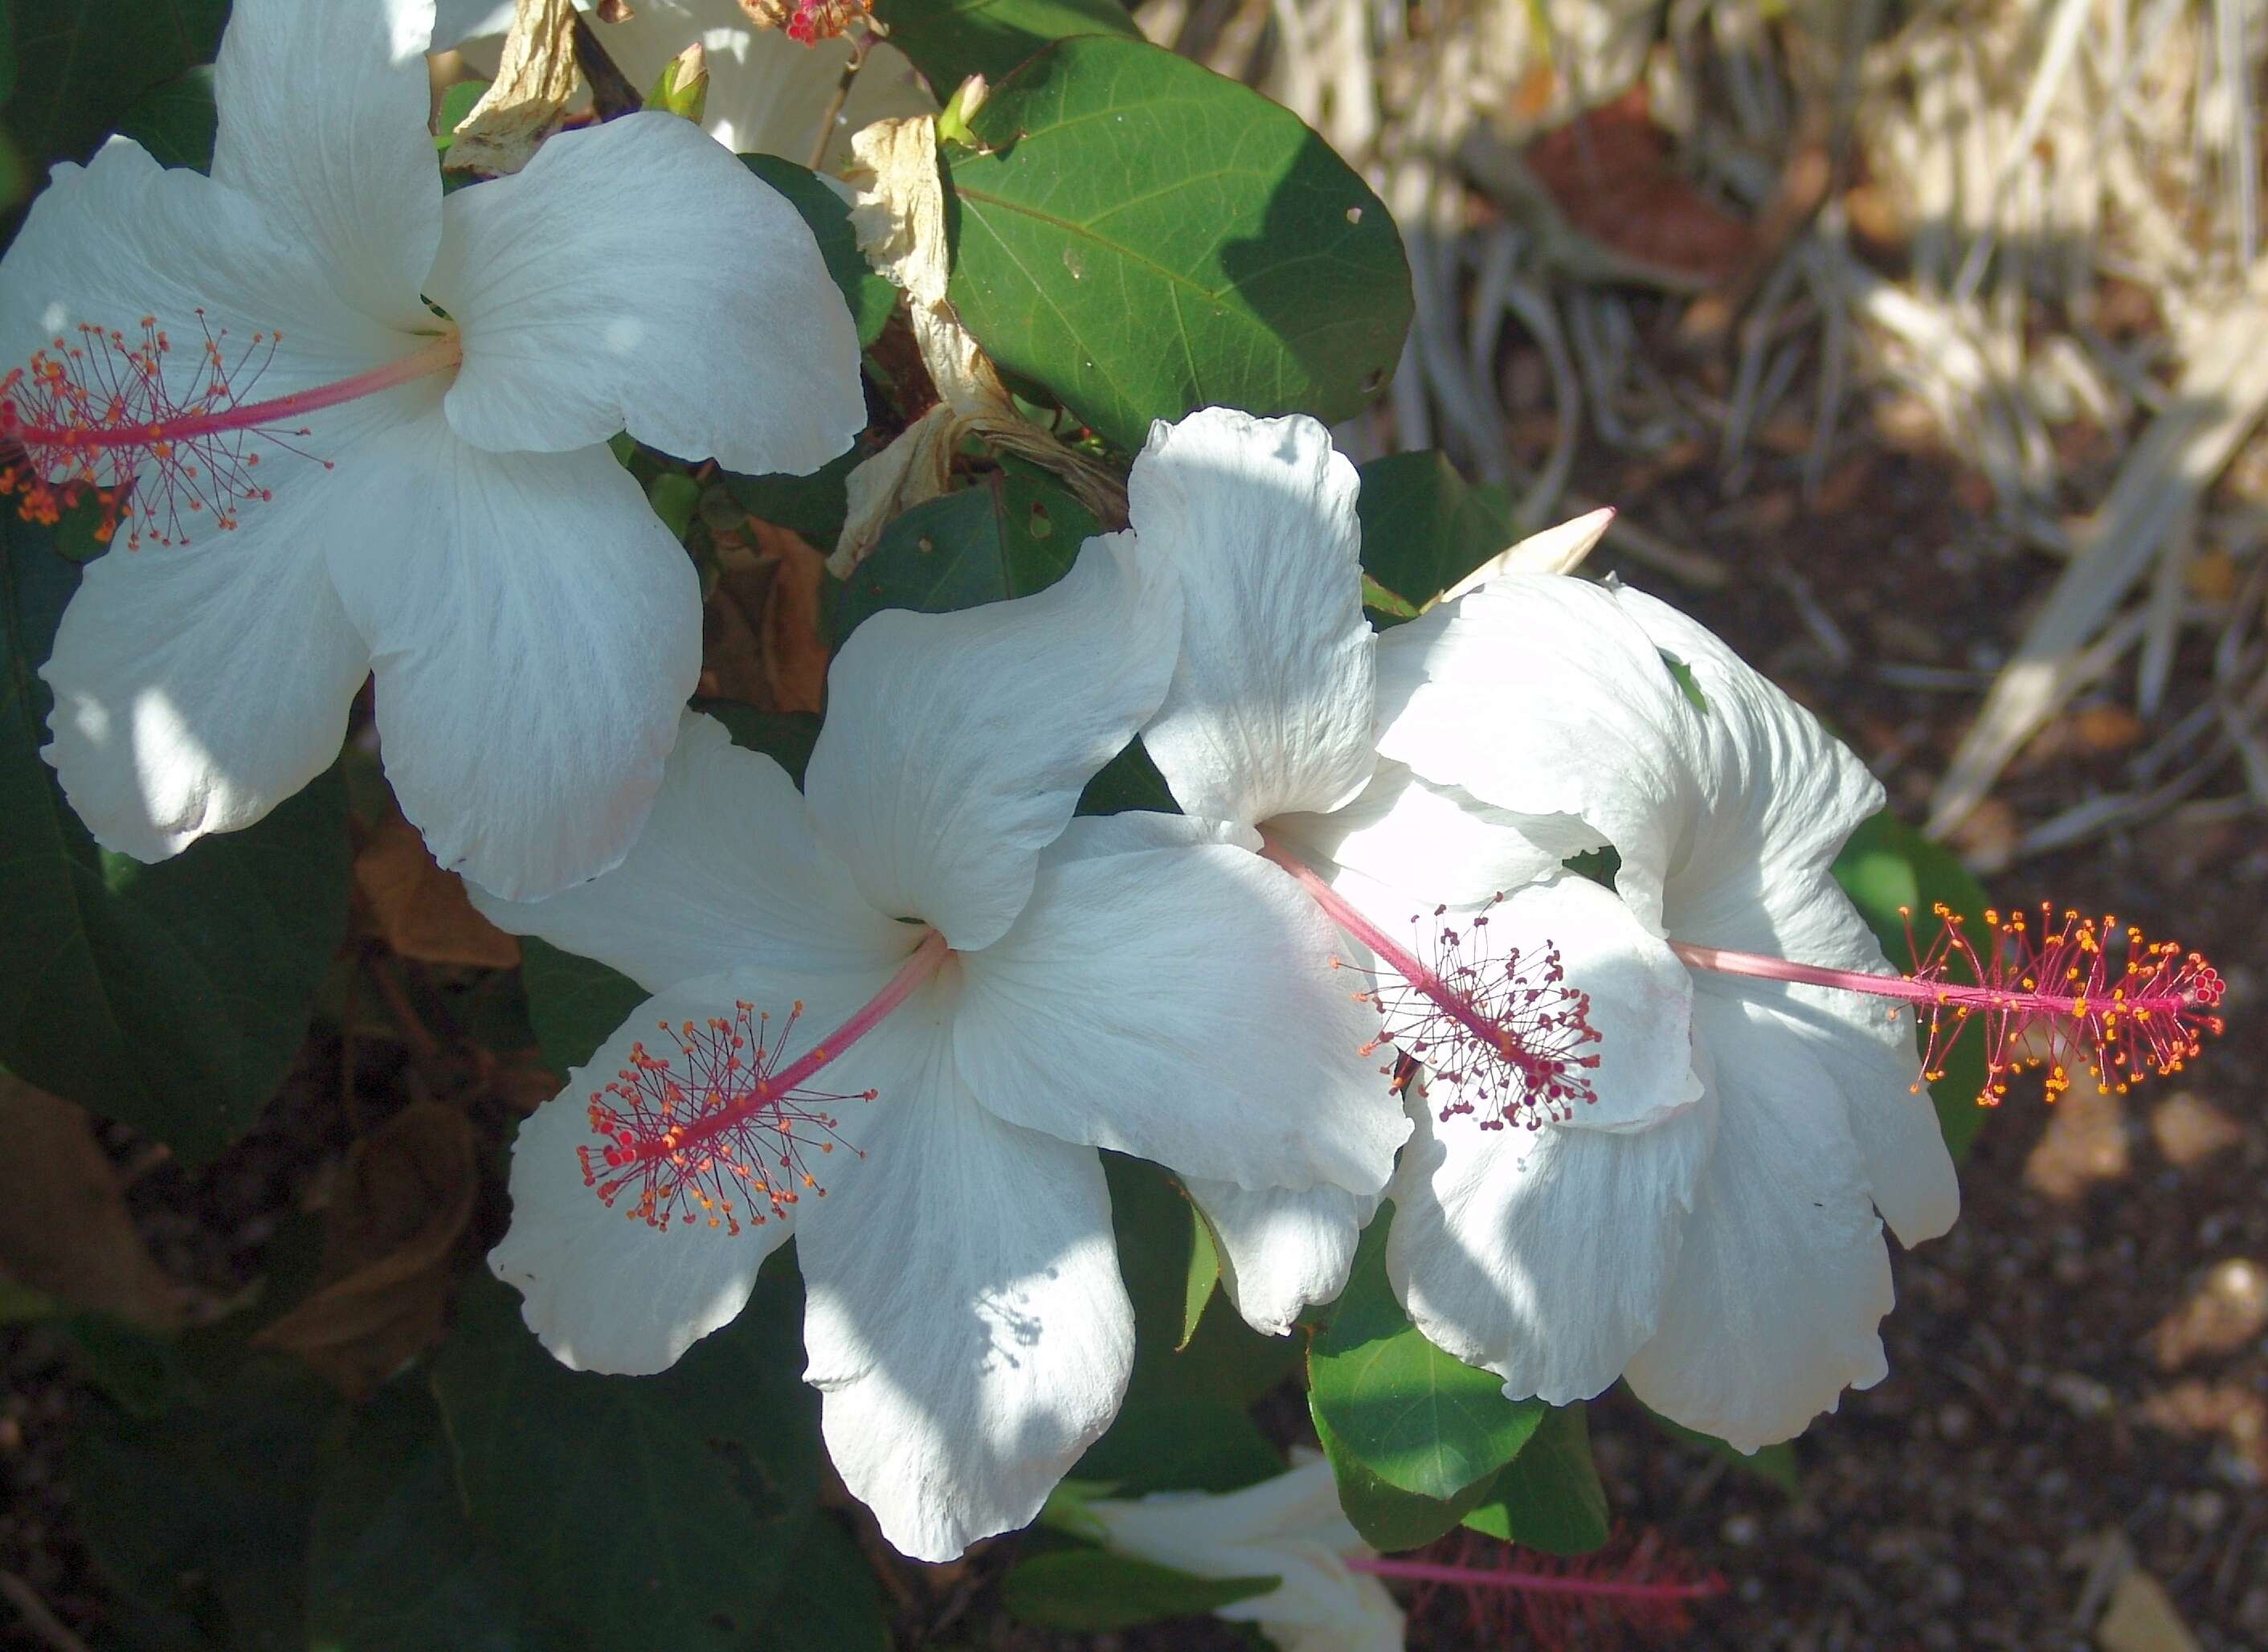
(768, 93)
(989, 990)
(345, 427)
(1530, 993)
(1727, 1260)
(1290, 1527)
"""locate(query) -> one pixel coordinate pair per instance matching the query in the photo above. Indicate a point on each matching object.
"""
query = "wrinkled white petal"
(323, 107)
(605, 1291)
(966, 1321)
(1290, 1527)
(1544, 1256)
(1784, 1276)
(1179, 1004)
(1281, 1250)
(535, 632)
(1539, 694)
(198, 686)
(1409, 845)
(122, 239)
(1270, 708)
(635, 275)
(956, 745)
(725, 875)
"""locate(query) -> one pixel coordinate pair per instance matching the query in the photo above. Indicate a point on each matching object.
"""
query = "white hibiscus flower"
(1014, 988)
(1728, 1261)
(1270, 727)
(378, 421)
(1290, 1527)
(767, 94)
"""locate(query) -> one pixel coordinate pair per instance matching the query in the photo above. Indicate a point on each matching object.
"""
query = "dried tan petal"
(527, 100)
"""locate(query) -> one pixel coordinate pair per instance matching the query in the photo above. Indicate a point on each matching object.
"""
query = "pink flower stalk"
(1639, 1585)
(1506, 1033)
(734, 1132)
(2073, 993)
(97, 419)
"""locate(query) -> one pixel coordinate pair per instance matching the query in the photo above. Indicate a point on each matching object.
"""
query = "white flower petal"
(1178, 1004)
(323, 108)
(535, 632)
(635, 275)
(966, 1321)
(1281, 1250)
(726, 876)
(1784, 1276)
(1539, 694)
(605, 1291)
(1290, 1527)
(122, 239)
(1542, 1256)
(1431, 845)
(1640, 998)
(1270, 709)
(956, 745)
(197, 686)
(1864, 1044)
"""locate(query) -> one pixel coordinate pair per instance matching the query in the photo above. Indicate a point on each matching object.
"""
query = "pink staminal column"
(160, 444)
(727, 1129)
(2065, 994)
(1504, 1033)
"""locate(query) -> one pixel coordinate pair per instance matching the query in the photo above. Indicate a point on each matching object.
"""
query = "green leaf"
(1548, 1497)
(1008, 536)
(176, 121)
(1418, 1419)
(951, 39)
(173, 996)
(202, 1514)
(7, 53)
(650, 1510)
(392, 1566)
(1129, 780)
(1146, 238)
(813, 506)
(1388, 1517)
(871, 298)
(1171, 1445)
(830, 1602)
(1886, 866)
(1774, 1465)
(1423, 530)
(1090, 1591)
(456, 103)
(1165, 1251)
(80, 62)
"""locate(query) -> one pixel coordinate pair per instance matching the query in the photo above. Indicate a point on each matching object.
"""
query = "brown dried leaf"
(402, 1204)
(760, 635)
(528, 99)
(2085, 1141)
(1612, 173)
(64, 1231)
(2228, 1308)
(422, 911)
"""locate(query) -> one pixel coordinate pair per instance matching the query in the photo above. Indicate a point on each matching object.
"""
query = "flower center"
(1503, 1033)
(2049, 996)
(98, 419)
(726, 1130)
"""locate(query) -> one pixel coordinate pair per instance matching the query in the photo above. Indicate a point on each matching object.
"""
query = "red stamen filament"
(1641, 1585)
(2048, 997)
(1532, 1583)
(99, 419)
(1505, 1036)
(735, 1133)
